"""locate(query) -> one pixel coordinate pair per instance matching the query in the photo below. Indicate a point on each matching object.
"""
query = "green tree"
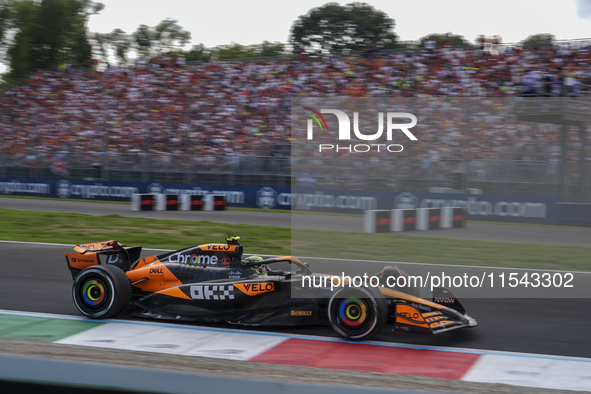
(333, 28)
(45, 34)
(196, 53)
(143, 38)
(166, 37)
(271, 48)
(101, 42)
(18, 50)
(537, 40)
(121, 43)
(4, 16)
(117, 44)
(237, 51)
(453, 40)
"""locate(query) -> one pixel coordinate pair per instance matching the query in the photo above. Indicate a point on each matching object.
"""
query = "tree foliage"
(333, 28)
(44, 34)
(536, 40)
(452, 39)
(116, 43)
(166, 37)
(237, 51)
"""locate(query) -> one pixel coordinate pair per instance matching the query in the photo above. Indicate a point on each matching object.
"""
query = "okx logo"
(393, 123)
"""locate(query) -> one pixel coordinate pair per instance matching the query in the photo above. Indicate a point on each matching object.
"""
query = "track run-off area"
(517, 341)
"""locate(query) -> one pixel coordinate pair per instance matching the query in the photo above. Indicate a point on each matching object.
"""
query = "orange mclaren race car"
(212, 283)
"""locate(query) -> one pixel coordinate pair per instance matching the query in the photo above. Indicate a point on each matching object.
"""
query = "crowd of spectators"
(169, 114)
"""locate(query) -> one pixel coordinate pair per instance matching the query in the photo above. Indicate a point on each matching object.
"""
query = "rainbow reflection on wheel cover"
(93, 292)
(353, 312)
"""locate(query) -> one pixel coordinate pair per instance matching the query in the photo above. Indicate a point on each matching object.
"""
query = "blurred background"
(102, 101)
(148, 106)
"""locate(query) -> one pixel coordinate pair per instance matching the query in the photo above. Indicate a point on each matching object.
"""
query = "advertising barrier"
(481, 207)
(572, 214)
(234, 196)
(484, 207)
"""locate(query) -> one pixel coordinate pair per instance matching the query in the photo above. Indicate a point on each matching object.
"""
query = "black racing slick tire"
(101, 291)
(357, 313)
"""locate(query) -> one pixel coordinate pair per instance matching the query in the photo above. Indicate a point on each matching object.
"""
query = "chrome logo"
(93, 292)
(353, 312)
(193, 259)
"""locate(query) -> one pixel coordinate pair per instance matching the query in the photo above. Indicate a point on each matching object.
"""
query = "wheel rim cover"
(353, 312)
(93, 292)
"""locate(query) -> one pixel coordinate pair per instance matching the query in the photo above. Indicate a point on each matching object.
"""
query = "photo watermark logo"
(344, 132)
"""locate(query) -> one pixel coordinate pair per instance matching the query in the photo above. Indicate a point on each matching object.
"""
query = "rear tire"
(357, 313)
(101, 291)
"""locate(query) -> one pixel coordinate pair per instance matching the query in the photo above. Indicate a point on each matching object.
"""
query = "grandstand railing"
(552, 103)
(522, 176)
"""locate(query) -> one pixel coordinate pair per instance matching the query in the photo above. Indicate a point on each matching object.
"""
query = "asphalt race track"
(35, 278)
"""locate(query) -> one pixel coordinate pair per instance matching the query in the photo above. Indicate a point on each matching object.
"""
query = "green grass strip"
(73, 229)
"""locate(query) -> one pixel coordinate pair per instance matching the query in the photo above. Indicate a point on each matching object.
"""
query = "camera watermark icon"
(344, 130)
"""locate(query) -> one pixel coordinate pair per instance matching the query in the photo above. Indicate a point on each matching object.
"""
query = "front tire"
(101, 291)
(357, 313)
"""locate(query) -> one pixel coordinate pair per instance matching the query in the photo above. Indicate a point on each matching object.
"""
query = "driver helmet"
(261, 269)
(253, 259)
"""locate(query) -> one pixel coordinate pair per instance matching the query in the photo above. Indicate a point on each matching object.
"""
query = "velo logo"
(344, 132)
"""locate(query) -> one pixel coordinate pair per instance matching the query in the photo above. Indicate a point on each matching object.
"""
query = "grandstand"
(229, 122)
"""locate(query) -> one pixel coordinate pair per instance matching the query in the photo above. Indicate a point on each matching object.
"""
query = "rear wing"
(102, 246)
(111, 252)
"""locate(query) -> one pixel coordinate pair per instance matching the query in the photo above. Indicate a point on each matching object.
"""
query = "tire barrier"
(219, 202)
(175, 202)
(167, 202)
(453, 217)
(191, 202)
(409, 219)
(395, 220)
(428, 219)
(215, 202)
(377, 221)
(142, 202)
(459, 217)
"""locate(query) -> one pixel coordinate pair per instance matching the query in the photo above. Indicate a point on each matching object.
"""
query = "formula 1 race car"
(211, 283)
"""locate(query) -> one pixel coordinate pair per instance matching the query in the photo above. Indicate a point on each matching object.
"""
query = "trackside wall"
(485, 207)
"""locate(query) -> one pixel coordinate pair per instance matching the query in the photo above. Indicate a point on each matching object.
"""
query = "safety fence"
(531, 174)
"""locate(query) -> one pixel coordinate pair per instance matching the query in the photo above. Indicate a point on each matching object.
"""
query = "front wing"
(414, 314)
